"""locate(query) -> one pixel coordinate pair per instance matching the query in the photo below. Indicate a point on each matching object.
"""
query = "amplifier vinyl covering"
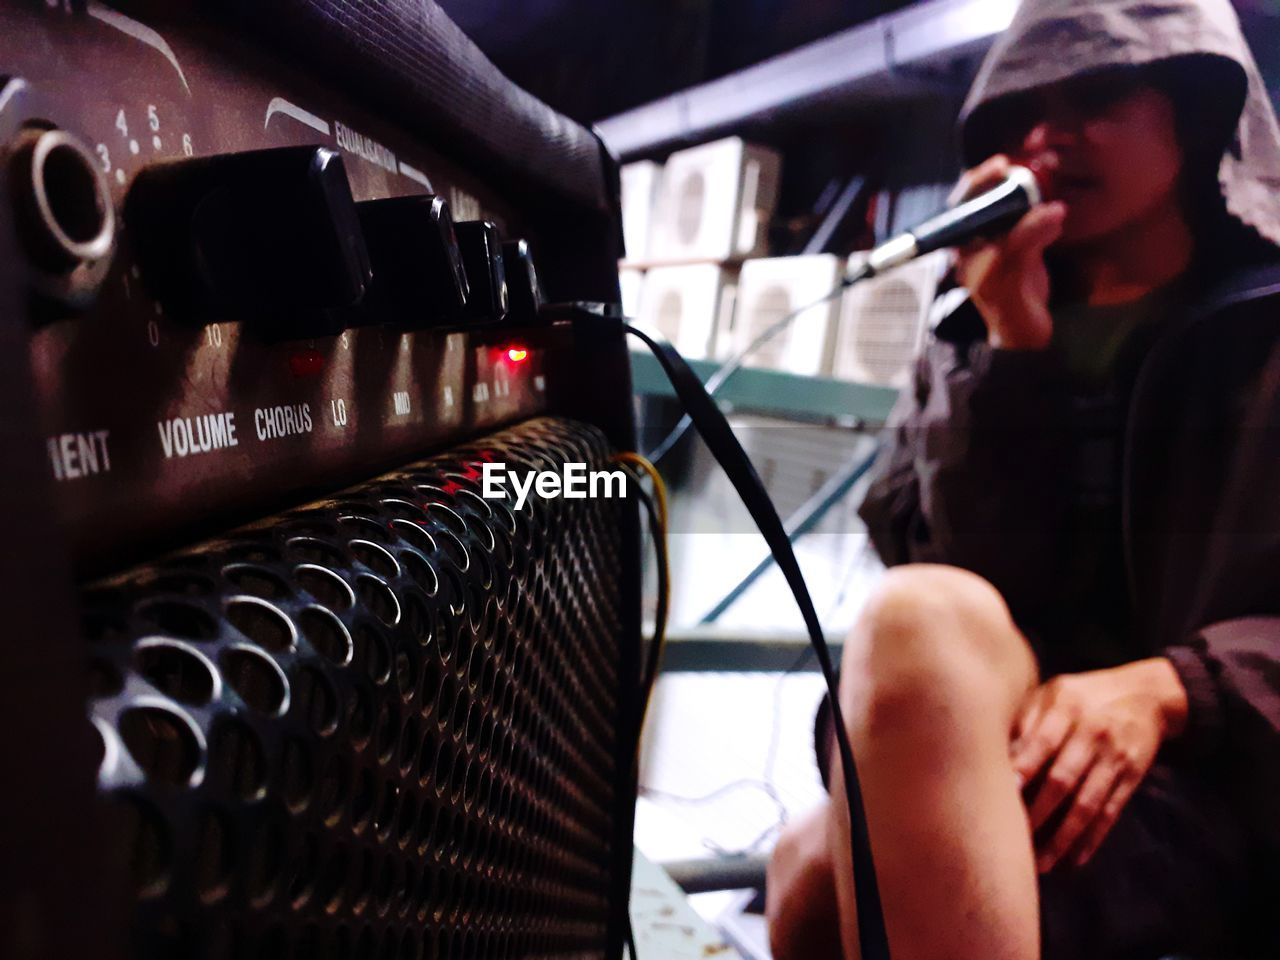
(409, 58)
(387, 724)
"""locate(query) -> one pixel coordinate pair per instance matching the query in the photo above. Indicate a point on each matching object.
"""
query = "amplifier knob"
(482, 257)
(418, 276)
(269, 235)
(522, 282)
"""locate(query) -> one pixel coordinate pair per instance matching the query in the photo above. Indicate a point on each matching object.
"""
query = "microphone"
(992, 211)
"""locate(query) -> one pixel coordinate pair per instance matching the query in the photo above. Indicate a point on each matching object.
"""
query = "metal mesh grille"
(383, 725)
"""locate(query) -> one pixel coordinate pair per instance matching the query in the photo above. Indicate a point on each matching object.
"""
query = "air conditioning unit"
(883, 322)
(714, 202)
(688, 305)
(640, 181)
(771, 288)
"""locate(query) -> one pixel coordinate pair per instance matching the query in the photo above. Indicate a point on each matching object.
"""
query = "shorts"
(1173, 878)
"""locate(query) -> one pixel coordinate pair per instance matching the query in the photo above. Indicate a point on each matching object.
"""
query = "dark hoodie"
(974, 472)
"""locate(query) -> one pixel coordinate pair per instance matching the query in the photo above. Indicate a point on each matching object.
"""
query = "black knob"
(522, 282)
(482, 258)
(418, 276)
(270, 235)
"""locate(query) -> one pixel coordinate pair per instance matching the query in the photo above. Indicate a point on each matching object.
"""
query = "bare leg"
(932, 678)
(800, 901)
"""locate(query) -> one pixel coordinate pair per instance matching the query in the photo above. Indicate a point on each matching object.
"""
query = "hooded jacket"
(972, 468)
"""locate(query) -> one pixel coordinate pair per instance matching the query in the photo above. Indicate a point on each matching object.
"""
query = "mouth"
(1061, 180)
(1066, 184)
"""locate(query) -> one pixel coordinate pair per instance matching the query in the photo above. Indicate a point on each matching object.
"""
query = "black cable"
(631, 939)
(734, 363)
(653, 658)
(724, 446)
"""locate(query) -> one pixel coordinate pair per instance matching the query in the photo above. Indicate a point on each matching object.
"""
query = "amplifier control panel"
(243, 286)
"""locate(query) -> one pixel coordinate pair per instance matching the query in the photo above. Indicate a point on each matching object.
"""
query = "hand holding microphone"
(1001, 228)
(1013, 284)
(1006, 275)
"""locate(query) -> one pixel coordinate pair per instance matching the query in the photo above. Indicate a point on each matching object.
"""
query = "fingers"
(973, 262)
(986, 174)
(1027, 241)
(1069, 767)
(1087, 807)
(1029, 714)
(1006, 277)
(1085, 743)
(1037, 229)
(1039, 744)
(1106, 819)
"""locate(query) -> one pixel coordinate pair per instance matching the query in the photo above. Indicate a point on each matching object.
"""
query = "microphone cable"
(655, 508)
(734, 362)
(997, 208)
(702, 412)
(992, 210)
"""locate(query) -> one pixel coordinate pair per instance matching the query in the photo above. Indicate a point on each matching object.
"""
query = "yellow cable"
(659, 486)
(634, 459)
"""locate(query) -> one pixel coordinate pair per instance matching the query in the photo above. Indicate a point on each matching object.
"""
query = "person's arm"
(972, 470)
(1231, 672)
(1089, 739)
(1083, 744)
(1213, 696)
(1230, 667)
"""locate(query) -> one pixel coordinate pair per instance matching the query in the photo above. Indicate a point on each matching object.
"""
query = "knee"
(932, 633)
(917, 604)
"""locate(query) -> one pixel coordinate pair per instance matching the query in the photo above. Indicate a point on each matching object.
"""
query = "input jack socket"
(65, 214)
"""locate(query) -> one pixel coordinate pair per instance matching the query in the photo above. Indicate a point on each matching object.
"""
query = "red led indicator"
(308, 363)
(517, 354)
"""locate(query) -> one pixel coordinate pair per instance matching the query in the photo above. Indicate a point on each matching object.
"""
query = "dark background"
(594, 58)
(591, 59)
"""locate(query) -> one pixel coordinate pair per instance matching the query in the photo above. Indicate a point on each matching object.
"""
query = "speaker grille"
(888, 331)
(383, 725)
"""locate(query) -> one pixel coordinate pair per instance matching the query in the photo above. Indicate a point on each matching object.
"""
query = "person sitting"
(1064, 696)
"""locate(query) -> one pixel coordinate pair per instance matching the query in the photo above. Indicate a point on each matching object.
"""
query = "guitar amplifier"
(284, 674)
